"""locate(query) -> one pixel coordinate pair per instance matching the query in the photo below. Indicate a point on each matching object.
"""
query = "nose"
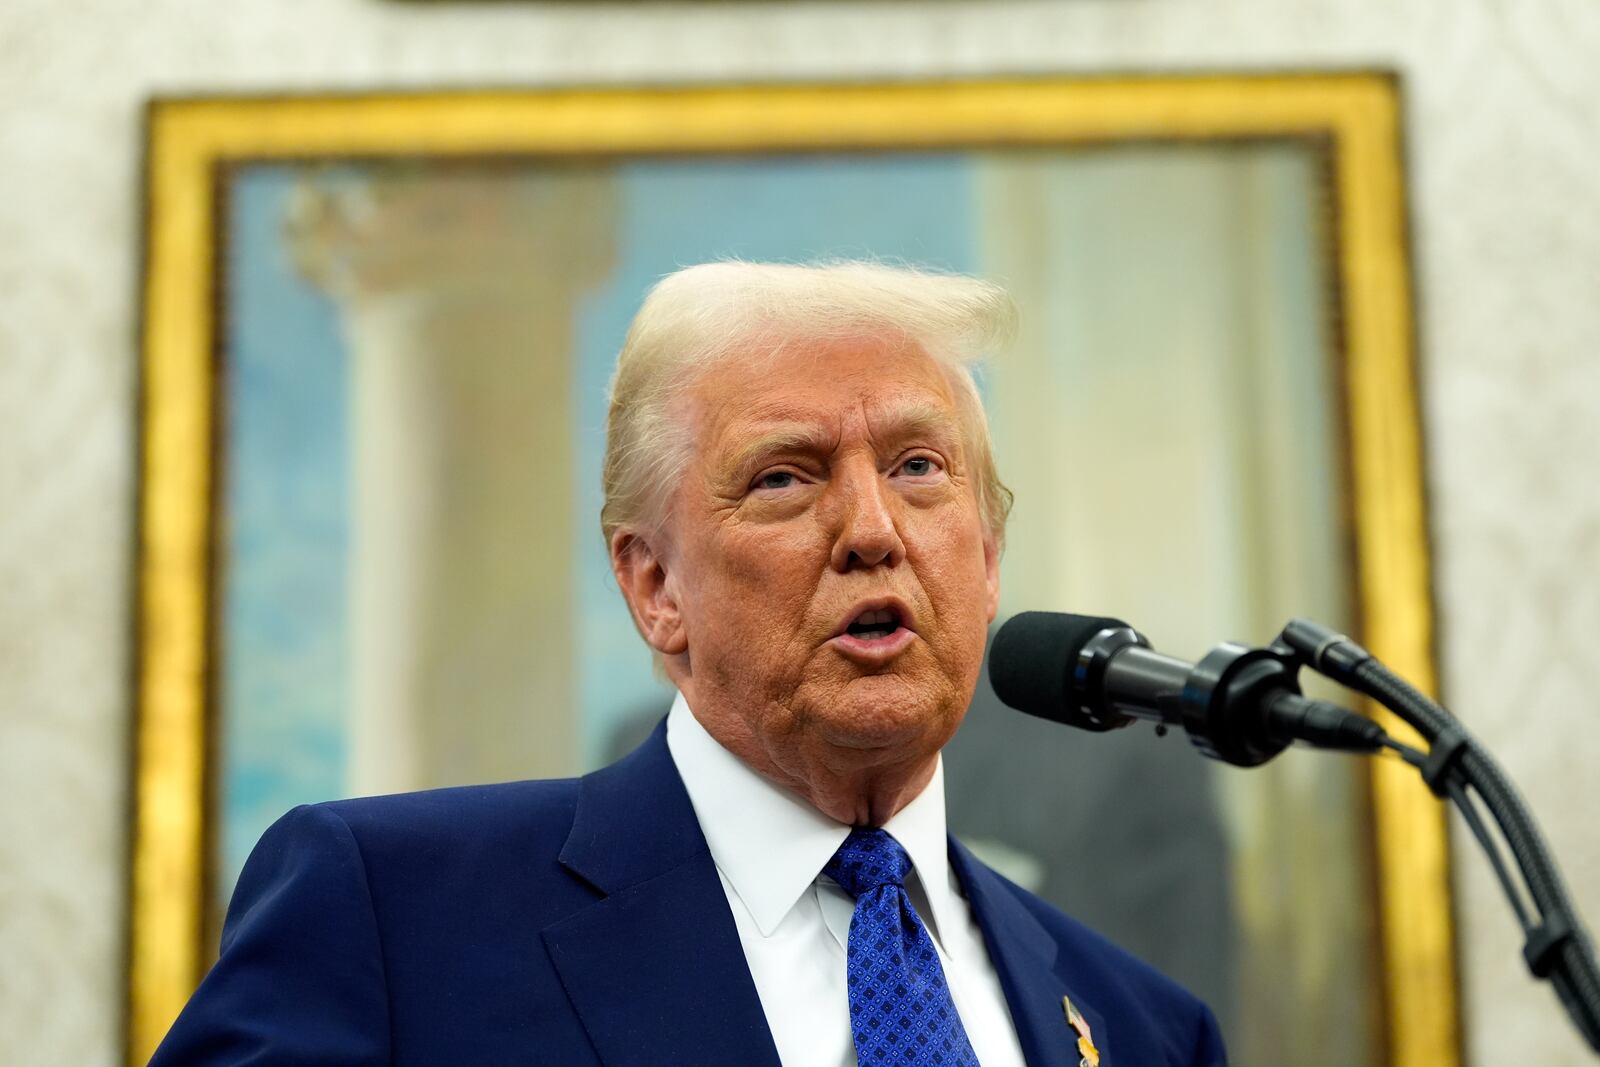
(866, 533)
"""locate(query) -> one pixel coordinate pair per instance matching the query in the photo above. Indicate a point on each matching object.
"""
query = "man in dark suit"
(805, 520)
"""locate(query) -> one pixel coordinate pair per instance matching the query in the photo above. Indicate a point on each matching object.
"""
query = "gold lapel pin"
(1090, 1055)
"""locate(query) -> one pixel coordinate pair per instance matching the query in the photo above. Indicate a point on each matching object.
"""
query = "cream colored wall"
(1505, 149)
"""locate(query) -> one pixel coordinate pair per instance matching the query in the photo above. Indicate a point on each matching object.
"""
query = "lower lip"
(874, 650)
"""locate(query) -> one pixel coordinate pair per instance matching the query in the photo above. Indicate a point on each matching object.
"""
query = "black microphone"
(1239, 705)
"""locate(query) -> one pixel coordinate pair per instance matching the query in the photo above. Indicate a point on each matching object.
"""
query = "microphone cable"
(1555, 946)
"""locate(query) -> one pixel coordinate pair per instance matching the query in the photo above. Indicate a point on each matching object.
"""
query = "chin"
(886, 714)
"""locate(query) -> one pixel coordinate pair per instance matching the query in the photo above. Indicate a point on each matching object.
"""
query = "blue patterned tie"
(900, 1007)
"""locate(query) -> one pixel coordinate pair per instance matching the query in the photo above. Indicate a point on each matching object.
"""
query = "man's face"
(827, 558)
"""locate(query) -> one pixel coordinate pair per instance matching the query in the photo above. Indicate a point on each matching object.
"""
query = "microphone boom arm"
(1243, 706)
(1556, 947)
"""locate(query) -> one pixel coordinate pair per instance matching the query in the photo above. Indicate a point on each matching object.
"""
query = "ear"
(991, 573)
(650, 592)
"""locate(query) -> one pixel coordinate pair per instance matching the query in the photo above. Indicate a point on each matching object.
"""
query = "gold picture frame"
(193, 141)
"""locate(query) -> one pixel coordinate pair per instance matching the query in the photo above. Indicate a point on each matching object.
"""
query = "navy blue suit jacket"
(578, 922)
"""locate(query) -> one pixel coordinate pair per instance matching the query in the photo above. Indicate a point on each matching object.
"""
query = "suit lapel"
(654, 968)
(1024, 956)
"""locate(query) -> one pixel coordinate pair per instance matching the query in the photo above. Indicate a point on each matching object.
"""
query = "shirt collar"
(770, 844)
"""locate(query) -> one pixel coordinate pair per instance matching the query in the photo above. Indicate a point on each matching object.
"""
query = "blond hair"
(700, 315)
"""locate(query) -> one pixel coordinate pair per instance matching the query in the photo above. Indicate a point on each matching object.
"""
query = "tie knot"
(867, 860)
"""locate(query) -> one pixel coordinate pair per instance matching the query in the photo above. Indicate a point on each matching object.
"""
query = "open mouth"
(877, 624)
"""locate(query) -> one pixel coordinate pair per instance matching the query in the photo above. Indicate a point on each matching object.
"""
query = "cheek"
(956, 579)
(755, 588)
(770, 567)
(956, 543)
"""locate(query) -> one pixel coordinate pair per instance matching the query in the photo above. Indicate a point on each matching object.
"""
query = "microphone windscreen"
(1032, 658)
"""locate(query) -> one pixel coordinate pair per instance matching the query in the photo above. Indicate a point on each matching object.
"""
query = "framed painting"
(377, 333)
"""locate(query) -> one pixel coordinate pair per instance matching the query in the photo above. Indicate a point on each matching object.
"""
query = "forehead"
(830, 384)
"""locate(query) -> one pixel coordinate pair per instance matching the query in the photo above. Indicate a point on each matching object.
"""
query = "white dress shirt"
(770, 846)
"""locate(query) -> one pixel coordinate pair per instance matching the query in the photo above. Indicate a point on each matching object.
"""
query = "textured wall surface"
(1505, 151)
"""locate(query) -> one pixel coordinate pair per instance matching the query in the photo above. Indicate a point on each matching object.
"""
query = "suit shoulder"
(1092, 948)
(1143, 999)
(526, 814)
(1095, 956)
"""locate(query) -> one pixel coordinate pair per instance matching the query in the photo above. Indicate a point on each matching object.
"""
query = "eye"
(774, 480)
(919, 466)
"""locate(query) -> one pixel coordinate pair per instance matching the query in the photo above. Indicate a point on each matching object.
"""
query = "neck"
(870, 801)
(854, 786)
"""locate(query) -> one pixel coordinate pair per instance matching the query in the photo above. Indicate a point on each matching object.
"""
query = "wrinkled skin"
(820, 477)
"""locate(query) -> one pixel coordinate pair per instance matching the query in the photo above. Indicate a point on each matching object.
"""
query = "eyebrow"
(921, 418)
(917, 418)
(809, 440)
